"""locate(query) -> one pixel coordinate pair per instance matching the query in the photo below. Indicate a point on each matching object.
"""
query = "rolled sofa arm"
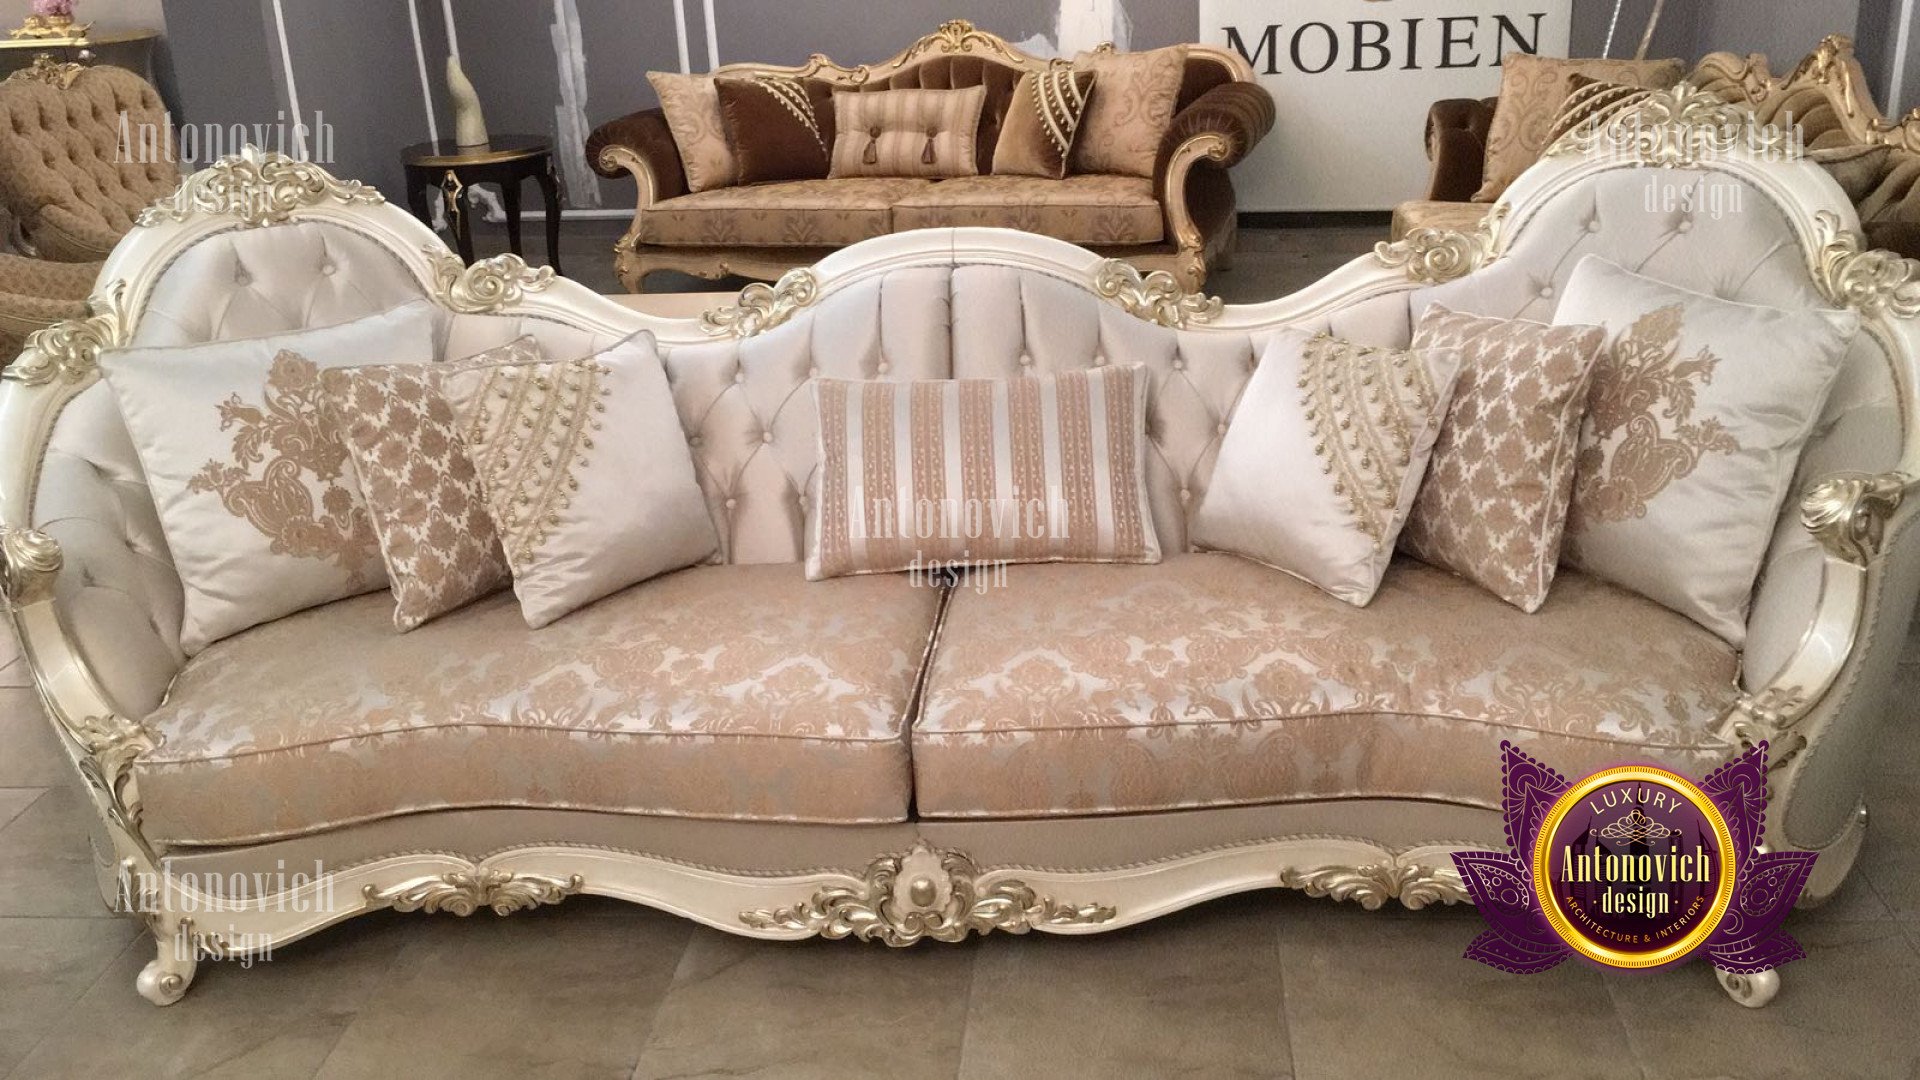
(60, 235)
(1457, 146)
(1237, 114)
(640, 144)
(1220, 127)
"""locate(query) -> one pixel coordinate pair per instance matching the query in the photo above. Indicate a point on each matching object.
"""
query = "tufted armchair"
(63, 172)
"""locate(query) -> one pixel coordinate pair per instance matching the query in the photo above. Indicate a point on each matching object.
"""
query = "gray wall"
(353, 62)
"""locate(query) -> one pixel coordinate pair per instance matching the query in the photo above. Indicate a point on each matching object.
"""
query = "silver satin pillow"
(1695, 422)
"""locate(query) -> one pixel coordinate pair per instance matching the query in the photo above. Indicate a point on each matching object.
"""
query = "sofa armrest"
(640, 144)
(60, 235)
(1457, 146)
(1220, 127)
(1234, 116)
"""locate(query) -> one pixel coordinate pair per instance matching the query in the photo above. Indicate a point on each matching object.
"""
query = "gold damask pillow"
(933, 133)
(1493, 506)
(970, 472)
(586, 473)
(1532, 90)
(261, 511)
(1037, 136)
(1134, 96)
(691, 104)
(1695, 422)
(1322, 458)
(438, 542)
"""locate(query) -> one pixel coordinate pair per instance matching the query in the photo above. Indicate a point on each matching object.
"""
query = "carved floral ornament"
(70, 351)
(1680, 127)
(1848, 513)
(1433, 255)
(761, 307)
(463, 892)
(1156, 297)
(260, 187)
(487, 285)
(1871, 282)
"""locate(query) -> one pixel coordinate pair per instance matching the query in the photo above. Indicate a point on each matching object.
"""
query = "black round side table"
(507, 160)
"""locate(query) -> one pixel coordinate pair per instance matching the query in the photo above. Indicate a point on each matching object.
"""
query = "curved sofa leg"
(166, 977)
(1753, 991)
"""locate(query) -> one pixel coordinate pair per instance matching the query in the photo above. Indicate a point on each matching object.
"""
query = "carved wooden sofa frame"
(1190, 179)
(1828, 631)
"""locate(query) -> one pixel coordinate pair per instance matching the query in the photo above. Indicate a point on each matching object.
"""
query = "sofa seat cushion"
(731, 692)
(793, 213)
(1212, 681)
(1088, 209)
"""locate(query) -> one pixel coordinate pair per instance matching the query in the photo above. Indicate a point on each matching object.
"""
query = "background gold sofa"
(1181, 219)
(1086, 748)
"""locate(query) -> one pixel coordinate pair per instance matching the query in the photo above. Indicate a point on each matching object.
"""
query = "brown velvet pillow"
(1036, 138)
(780, 127)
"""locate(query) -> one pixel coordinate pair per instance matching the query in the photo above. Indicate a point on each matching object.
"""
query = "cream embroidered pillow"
(260, 508)
(439, 544)
(691, 105)
(1134, 97)
(1322, 459)
(586, 473)
(969, 472)
(907, 132)
(1494, 502)
(1698, 412)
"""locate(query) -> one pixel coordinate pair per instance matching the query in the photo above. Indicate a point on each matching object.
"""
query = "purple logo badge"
(1634, 867)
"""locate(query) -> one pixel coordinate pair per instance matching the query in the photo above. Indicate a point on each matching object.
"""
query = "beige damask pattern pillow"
(1134, 96)
(691, 104)
(932, 133)
(586, 473)
(1532, 90)
(1695, 422)
(438, 542)
(262, 513)
(1323, 456)
(1493, 506)
(968, 472)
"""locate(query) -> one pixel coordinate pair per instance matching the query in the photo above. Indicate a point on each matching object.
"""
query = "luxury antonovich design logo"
(1634, 867)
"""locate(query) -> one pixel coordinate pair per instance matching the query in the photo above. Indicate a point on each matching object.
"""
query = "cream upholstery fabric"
(1212, 681)
(718, 692)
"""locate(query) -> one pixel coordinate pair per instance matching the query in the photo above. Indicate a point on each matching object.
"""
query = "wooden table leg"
(417, 198)
(458, 209)
(510, 200)
(550, 189)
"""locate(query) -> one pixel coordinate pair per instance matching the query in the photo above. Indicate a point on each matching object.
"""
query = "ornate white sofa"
(1083, 749)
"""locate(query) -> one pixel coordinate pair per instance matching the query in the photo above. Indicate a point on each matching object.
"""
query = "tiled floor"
(1267, 984)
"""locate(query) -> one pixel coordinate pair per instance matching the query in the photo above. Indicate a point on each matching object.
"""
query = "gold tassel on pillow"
(872, 156)
(926, 156)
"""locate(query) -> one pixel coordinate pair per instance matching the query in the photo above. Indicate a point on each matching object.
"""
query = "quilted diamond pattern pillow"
(1494, 504)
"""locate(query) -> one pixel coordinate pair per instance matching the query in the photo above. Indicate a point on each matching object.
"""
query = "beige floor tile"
(46, 863)
(13, 669)
(544, 994)
(45, 965)
(1368, 996)
(15, 800)
(1847, 1010)
(1196, 994)
(836, 1010)
(30, 754)
(278, 1018)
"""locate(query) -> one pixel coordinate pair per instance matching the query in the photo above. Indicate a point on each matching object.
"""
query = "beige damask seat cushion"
(730, 692)
(793, 213)
(1086, 209)
(1211, 681)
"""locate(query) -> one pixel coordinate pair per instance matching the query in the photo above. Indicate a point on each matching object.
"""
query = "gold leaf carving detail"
(1156, 297)
(488, 285)
(761, 307)
(70, 351)
(463, 892)
(260, 187)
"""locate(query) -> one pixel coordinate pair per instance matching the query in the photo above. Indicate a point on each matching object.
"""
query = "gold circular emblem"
(1635, 786)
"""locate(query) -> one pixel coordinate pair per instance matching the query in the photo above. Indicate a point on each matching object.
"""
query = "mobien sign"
(1353, 80)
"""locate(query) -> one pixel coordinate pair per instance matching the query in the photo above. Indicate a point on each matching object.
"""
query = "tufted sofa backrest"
(63, 171)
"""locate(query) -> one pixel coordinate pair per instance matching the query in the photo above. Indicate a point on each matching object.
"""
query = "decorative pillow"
(1036, 138)
(691, 104)
(1494, 502)
(261, 511)
(780, 127)
(586, 473)
(1532, 89)
(970, 472)
(907, 132)
(1591, 104)
(1319, 467)
(1134, 95)
(440, 547)
(1698, 412)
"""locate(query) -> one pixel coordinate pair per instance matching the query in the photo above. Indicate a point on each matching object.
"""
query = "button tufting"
(731, 503)
(1026, 361)
(739, 376)
(693, 440)
(1593, 226)
(1185, 495)
(1546, 292)
(240, 278)
(1684, 226)
(766, 436)
(327, 268)
(1179, 365)
(883, 367)
(1220, 429)
(813, 372)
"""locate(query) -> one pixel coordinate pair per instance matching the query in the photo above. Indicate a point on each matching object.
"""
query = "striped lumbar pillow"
(958, 472)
